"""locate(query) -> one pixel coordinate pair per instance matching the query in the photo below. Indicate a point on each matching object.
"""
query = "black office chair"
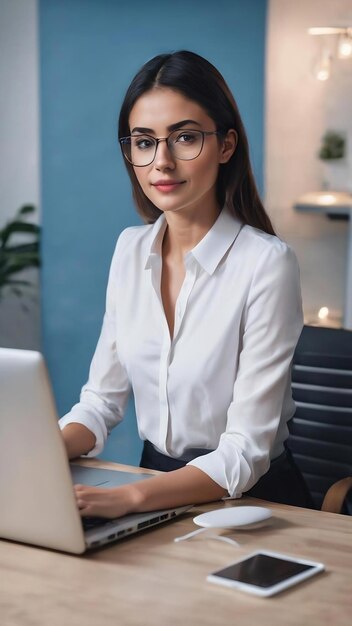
(321, 430)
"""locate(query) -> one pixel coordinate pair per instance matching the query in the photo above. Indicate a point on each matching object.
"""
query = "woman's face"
(170, 183)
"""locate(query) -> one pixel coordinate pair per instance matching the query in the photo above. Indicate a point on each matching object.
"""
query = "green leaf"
(20, 249)
(27, 208)
(17, 227)
(11, 281)
(23, 258)
(14, 268)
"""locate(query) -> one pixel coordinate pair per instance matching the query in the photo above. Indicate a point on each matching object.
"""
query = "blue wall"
(89, 52)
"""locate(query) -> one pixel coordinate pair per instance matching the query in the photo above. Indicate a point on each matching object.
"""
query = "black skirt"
(283, 482)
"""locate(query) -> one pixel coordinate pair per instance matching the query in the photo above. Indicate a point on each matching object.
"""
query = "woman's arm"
(188, 485)
(78, 440)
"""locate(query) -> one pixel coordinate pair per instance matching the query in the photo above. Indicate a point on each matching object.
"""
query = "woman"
(203, 308)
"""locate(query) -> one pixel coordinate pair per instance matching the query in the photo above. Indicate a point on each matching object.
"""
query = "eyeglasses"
(186, 145)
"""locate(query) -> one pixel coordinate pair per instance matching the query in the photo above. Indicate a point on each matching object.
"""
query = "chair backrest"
(321, 429)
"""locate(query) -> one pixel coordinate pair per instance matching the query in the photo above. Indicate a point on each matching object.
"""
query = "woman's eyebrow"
(150, 131)
(182, 124)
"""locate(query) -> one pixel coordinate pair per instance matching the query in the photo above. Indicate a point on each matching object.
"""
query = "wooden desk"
(148, 579)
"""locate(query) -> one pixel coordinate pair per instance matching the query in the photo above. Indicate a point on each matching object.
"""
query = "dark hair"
(198, 80)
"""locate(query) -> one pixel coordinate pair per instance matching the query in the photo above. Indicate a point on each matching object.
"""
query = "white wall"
(299, 109)
(19, 149)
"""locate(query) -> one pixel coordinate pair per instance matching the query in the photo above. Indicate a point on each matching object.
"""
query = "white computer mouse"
(234, 517)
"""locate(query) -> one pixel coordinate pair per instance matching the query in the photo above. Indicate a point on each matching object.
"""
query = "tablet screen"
(263, 570)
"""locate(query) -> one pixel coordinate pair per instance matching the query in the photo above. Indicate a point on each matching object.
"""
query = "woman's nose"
(163, 157)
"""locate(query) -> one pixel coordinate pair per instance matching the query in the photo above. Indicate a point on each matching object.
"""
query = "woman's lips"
(165, 186)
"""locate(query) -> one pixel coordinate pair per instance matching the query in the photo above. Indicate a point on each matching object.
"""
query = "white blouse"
(223, 381)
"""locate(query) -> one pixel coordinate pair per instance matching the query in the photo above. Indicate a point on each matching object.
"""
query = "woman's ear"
(228, 146)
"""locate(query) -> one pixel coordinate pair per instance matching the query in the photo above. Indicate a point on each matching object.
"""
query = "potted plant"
(333, 146)
(333, 152)
(15, 256)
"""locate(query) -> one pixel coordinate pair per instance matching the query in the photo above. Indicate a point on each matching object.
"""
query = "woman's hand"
(104, 502)
(188, 485)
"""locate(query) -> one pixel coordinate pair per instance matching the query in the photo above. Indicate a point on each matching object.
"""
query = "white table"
(330, 203)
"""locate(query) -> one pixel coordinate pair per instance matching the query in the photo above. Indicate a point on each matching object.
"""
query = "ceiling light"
(326, 30)
(345, 45)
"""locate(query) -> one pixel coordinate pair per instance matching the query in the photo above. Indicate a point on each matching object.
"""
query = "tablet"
(265, 573)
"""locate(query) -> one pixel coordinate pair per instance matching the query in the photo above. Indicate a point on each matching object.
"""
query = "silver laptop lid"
(37, 500)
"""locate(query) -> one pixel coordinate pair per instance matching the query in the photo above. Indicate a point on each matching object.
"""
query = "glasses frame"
(204, 133)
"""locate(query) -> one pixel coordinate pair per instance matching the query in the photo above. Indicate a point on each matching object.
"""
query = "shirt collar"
(210, 250)
(156, 239)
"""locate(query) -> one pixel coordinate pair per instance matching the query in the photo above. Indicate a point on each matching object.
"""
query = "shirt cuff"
(99, 430)
(227, 468)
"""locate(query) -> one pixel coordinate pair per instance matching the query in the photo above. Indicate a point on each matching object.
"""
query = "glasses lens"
(139, 150)
(186, 144)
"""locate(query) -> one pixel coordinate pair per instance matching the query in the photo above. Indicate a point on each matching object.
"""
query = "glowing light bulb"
(323, 313)
(345, 46)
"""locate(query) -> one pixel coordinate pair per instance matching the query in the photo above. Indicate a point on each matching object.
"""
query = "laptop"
(38, 504)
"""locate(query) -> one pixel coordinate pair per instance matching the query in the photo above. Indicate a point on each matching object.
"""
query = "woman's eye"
(186, 137)
(143, 143)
